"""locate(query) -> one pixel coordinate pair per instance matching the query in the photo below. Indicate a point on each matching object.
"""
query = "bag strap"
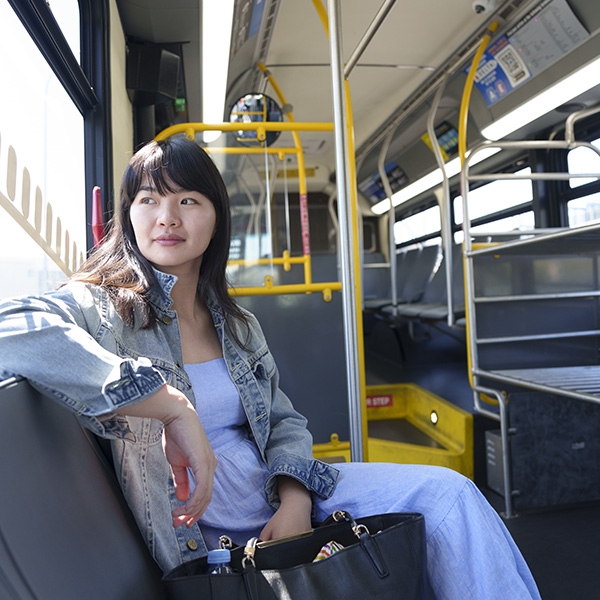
(250, 578)
(367, 541)
(249, 551)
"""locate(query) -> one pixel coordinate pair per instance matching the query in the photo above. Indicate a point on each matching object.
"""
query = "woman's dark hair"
(118, 265)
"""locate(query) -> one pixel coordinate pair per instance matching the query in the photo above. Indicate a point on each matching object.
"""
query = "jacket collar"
(160, 294)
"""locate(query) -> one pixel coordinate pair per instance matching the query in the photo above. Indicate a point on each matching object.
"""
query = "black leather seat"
(66, 532)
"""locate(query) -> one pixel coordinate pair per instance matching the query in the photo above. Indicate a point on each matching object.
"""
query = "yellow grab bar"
(191, 128)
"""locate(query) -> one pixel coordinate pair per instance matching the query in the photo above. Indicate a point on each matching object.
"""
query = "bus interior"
(416, 218)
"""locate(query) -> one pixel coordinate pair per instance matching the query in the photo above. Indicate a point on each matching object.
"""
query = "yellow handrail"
(251, 150)
(462, 152)
(302, 188)
(190, 129)
(270, 289)
(286, 260)
(466, 97)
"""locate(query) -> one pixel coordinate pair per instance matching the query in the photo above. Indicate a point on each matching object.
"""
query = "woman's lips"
(169, 240)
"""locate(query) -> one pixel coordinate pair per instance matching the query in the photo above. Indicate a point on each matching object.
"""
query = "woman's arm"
(293, 514)
(51, 340)
(185, 445)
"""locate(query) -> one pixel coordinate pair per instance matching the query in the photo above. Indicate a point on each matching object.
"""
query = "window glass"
(41, 166)
(495, 196)
(419, 225)
(583, 160)
(520, 222)
(66, 13)
(584, 210)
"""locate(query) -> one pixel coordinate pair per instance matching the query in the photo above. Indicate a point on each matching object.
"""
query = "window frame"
(88, 84)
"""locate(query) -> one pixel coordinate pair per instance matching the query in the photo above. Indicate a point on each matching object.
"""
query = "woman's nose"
(169, 218)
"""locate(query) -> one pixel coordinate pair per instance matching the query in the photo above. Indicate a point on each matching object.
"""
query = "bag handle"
(249, 551)
(338, 516)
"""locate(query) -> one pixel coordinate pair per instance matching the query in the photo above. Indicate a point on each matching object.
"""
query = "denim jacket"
(73, 346)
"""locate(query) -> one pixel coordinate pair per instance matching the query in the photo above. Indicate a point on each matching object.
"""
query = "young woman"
(146, 346)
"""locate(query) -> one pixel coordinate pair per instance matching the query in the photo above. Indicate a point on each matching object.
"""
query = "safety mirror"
(256, 108)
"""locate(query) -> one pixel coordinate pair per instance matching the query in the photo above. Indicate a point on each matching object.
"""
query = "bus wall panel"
(555, 450)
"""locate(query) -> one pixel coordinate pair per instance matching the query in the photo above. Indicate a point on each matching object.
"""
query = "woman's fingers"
(186, 446)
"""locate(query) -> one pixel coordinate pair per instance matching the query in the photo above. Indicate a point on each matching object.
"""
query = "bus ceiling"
(398, 72)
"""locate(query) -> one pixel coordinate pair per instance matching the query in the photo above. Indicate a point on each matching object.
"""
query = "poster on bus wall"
(542, 37)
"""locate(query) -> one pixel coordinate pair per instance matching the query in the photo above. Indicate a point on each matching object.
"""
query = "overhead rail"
(444, 199)
(286, 260)
(455, 62)
(580, 382)
(377, 21)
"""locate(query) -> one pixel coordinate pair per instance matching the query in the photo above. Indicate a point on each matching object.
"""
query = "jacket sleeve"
(289, 451)
(288, 447)
(51, 340)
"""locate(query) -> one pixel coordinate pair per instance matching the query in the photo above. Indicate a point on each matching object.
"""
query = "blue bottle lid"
(219, 555)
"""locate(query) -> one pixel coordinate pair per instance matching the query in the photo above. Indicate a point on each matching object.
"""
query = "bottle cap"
(219, 555)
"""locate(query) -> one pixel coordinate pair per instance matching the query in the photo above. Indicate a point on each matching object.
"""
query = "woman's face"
(172, 231)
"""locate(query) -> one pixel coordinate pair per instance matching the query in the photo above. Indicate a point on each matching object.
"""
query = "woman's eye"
(146, 200)
(189, 201)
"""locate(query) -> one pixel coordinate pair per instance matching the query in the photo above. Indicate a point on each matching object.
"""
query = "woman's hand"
(293, 515)
(185, 445)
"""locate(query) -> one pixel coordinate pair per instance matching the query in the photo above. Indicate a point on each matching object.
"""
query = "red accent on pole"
(97, 216)
(304, 224)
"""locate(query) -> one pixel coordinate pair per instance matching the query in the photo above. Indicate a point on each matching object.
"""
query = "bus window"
(586, 207)
(583, 160)
(584, 210)
(41, 157)
(66, 14)
(419, 226)
(493, 199)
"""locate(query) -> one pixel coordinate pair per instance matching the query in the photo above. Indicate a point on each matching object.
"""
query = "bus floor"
(559, 544)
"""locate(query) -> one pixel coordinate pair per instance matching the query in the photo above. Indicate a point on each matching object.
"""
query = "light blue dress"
(239, 506)
(470, 554)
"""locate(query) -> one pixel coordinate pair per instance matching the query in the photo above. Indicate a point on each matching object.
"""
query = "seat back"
(65, 529)
(414, 273)
(376, 279)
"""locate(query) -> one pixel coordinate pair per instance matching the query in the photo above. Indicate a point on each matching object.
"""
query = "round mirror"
(256, 108)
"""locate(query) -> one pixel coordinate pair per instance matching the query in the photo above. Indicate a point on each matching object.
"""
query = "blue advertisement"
(547, 33)
(500, 71)
(372, 187)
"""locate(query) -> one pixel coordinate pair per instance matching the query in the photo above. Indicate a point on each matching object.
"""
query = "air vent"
(266, 32)
(508, 12)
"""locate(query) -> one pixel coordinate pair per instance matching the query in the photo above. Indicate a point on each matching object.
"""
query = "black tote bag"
(384, 557)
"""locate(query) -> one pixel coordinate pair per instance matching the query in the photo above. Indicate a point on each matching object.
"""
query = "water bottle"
(219, 561)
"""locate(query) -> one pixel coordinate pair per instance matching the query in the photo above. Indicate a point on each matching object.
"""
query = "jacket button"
(166, 320)
(192, 544)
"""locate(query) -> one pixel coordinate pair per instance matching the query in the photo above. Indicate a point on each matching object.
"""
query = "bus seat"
(433, 304)
(376, 280)
(65, 529)
(414, 268)
(439, 311)
(417, 270)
